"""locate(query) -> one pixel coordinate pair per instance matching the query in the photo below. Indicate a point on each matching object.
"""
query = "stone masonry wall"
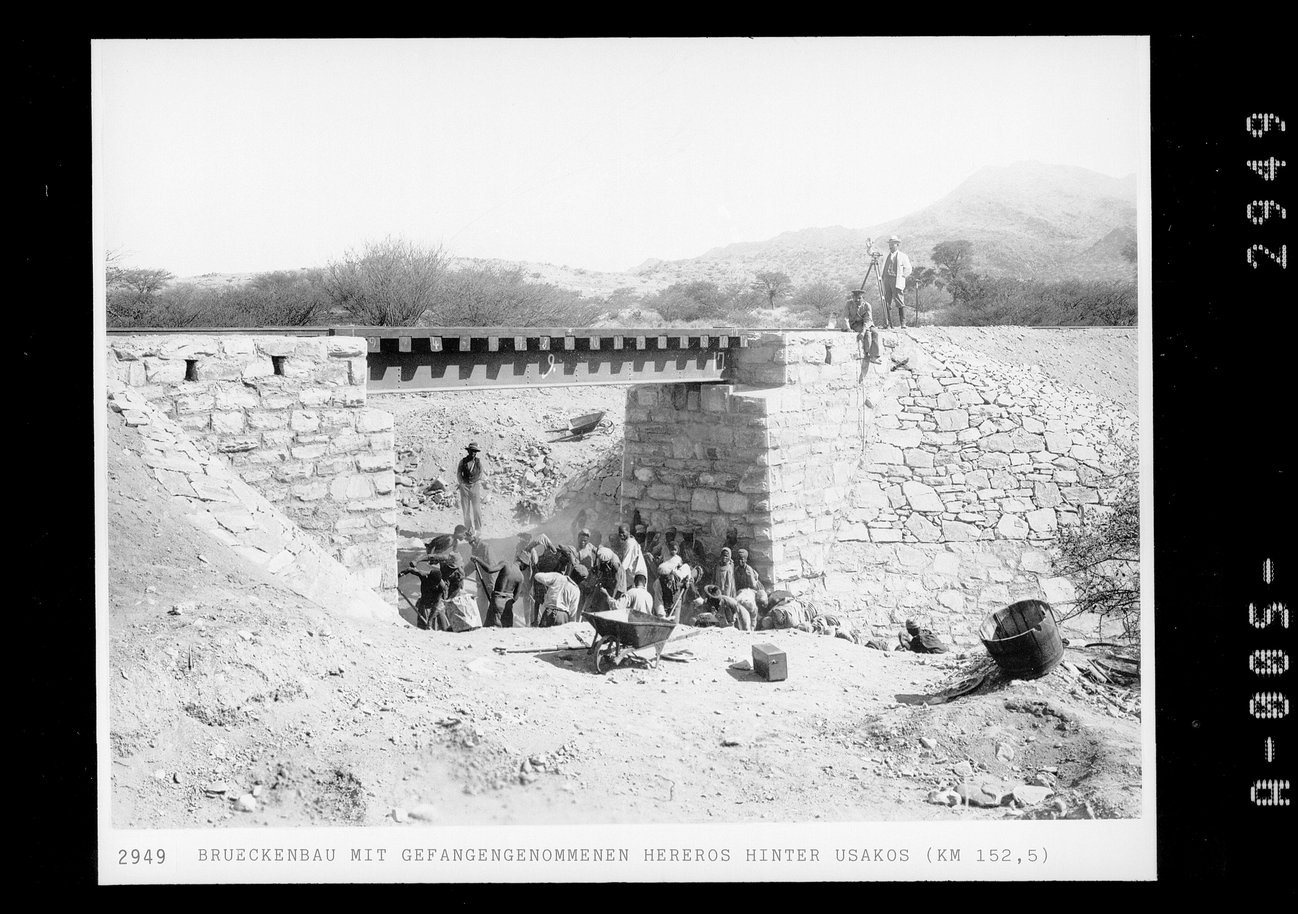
(289, 414)
(930, 486)
(972, 468)
(216, 501)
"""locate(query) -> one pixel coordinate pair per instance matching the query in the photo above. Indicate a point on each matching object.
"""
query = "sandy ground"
(234, 702)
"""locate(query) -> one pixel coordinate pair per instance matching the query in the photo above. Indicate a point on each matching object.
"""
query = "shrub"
(487, 296)
(1101, 556)
(388, 283)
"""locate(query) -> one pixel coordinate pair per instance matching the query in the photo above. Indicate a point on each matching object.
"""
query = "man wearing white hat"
(896, 269)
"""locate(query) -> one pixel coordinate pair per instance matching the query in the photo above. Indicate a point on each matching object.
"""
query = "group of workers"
(543, 584)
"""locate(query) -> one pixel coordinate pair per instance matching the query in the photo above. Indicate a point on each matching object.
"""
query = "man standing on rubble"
(896, 269)
(469, 477)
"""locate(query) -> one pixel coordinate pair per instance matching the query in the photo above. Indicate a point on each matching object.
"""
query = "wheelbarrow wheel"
(604, 657)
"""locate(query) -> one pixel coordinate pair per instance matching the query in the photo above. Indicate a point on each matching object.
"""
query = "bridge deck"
(412, 359)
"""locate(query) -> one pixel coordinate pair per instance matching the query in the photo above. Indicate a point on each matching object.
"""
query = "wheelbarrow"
(584, 425)
(620, 633)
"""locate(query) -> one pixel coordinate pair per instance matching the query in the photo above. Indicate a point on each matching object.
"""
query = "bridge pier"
(770, 456)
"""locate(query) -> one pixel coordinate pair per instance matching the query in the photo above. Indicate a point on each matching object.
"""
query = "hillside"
(1028, 220)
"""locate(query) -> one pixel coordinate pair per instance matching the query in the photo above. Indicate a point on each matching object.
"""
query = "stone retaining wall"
(930, 486)
(972, 467)
(233, 513)
(290, 416)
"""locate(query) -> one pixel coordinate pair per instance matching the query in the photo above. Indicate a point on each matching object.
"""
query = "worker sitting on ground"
(562, 595)
(727, 610)
(637, 598)
(429, 613)
(921, 640)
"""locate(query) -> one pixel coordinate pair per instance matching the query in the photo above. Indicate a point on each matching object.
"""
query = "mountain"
(1028, 220)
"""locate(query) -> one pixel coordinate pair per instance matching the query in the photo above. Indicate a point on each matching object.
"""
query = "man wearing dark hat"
(896, 269)
(469, 477)
(860, 317)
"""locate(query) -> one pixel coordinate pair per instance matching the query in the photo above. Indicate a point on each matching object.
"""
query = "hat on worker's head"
(856, 293)
(725, 550)
(584, 531)
(912, 626)
(743, 553)
(579, 572)
(461, 530)
(713, 591)
(473, 446)
(893, 238)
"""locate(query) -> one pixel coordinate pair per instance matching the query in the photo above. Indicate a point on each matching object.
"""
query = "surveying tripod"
(875, 257)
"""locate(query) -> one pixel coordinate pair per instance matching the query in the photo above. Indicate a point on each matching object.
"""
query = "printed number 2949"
(135, 855)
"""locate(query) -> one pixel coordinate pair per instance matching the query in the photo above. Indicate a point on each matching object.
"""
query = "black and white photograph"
(621, 459)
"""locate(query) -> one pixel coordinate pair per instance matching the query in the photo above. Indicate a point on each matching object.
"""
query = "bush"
(982, 300)
(390, 283)
(1101, 557)
(488, 296)
(819, 303)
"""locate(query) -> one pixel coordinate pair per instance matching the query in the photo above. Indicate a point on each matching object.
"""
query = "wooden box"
(770, 662)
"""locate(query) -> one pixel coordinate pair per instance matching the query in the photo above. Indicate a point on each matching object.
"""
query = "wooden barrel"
(1023, 639)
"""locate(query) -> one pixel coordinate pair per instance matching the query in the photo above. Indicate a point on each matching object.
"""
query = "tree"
(131, 292)
(921, 278)
(1100, 555)
(388, 283)
(953, 259)
(818, 301)
(773, 285)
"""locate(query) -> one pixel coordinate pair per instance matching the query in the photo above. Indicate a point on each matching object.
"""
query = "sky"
(243, 155)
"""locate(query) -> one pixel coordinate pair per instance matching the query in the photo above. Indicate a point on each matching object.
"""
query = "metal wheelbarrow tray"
(621, 632)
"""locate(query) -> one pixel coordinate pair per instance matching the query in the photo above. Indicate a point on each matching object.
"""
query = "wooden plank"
(703, 342)
(743, 342)
(520, 344)
(685, 342)
(543, 343)
(639, 342)
(493, 344)
(617, 342)
(465, 341)
(662, 342)
(403, 344)
(372, 343)
(594, 342)
(723, 342)
(435, 343)
(569, 342)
